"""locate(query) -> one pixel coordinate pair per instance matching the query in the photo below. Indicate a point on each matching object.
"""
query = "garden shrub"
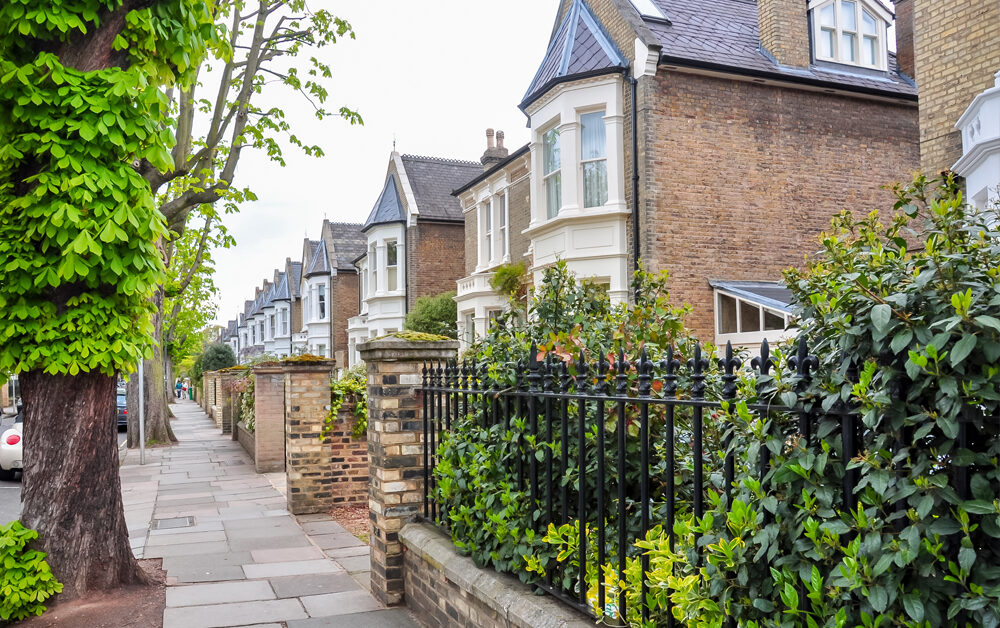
(350, 387)
(25, 578)
(436, 314)
(903, 315)
(217, 356)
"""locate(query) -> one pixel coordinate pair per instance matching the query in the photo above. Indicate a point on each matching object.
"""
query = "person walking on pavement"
(178, 388)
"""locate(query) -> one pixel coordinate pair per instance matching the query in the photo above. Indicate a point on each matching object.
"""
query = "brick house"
(415, 236)
(711, 138)
(328, 289)
(955, 54)
(497, 209)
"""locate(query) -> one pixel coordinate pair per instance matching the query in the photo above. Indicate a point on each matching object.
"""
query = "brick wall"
(739, 179)
(307, 457)
(436, 258)
(904, 37)
(344, 304)
(440, 602)
(518, 211)
(246, 439)
(269, 419)
(784, 30)
(225, 401)
(957, 45)
(349, 459)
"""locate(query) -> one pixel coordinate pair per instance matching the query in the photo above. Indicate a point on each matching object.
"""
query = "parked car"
(122, 410)
(11, 459)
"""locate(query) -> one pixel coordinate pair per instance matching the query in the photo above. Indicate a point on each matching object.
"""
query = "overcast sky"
(432, 74)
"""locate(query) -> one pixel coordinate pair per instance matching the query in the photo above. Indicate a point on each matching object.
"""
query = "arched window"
(851, 32)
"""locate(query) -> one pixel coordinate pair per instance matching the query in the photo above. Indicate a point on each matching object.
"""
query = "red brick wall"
(740, 179)
(344, 304)
(435, 255)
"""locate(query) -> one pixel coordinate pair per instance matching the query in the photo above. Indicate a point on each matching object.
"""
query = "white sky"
(434, 74)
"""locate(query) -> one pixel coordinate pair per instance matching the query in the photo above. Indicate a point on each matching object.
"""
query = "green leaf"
(881, 315)
(901, 340)
(988, 321)
(962, 349)
(914, 606)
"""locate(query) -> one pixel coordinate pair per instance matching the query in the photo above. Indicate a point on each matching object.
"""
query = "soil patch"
(355, 518)
(128, 607)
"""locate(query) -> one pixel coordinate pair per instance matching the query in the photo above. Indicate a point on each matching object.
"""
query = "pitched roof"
(580, 47)
(724, 35)
(320, 263)
(281, 292)
(295, 268)
(432, 180)
(349, 241)
(388, 208)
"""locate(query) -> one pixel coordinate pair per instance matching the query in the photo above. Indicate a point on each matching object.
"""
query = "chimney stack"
(784, 31)
(904, 38)
(495, 152)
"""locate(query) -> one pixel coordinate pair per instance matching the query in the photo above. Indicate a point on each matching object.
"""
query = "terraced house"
(711, 138)
(415, 234)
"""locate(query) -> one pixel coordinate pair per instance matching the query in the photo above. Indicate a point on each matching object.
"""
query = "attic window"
(647, 8)
(852, 32)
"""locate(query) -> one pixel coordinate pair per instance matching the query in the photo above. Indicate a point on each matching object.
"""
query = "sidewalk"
(233, 555)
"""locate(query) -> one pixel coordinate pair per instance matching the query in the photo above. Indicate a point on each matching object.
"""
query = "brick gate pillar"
(224, 400)
(395, 447)
(269, 418)
(308, 458)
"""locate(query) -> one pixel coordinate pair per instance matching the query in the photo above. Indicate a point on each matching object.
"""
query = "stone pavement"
(233, 555)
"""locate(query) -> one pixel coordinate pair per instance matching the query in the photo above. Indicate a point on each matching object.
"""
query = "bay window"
(391, 273)
(486, 212)
(851, 32)
(552, 172)
(373, 269)
(321, 302)
(594, 159)
(271, 327)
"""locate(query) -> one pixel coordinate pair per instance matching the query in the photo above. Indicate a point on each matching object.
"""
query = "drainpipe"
(635, 176)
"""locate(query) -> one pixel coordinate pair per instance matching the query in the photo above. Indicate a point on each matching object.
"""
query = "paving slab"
(344, 552)
(336, 541)
(354, 564)
(323, 527)
(251, 543)
(297, 568)
(316, 584)
(212, 574)
(389, 618)
(205, 561)
(185, 539)
(286, 554)
(186, 549)
(343, 603)
(238, 614)
(223, 592)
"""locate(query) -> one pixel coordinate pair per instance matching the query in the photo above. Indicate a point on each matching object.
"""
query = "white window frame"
(486, 243)
(882, 21)
(748, 337)
(555, 174)
(321, 302)
(583, 162)
(503, 225)
(271, 326)
(373, 269)
(283, 321)
(391, 270)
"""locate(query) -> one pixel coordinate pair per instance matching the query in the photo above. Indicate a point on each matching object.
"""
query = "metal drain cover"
(172, 523)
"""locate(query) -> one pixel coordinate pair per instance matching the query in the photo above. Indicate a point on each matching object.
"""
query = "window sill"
(573, 214)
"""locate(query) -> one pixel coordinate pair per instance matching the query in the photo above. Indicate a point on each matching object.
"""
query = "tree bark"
(158, 430)
(70, 433)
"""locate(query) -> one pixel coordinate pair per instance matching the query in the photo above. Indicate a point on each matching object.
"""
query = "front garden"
(847, 479)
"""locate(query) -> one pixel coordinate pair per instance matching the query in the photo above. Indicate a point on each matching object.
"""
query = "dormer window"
(851, 32)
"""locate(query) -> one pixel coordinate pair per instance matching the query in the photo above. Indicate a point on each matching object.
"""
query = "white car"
(10, 450)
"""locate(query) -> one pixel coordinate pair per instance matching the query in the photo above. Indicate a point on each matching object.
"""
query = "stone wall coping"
(511, 599)
(268, 369)
(391, 349)
(309, 367)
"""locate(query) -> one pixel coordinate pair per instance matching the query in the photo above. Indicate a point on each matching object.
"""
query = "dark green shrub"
(434, 315)
(25, 578)
(217, 356)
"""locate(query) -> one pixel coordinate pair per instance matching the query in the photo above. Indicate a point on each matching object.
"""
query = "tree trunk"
(158, 430)
(70, 432)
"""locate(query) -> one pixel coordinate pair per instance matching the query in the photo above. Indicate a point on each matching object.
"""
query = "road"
(10, 492)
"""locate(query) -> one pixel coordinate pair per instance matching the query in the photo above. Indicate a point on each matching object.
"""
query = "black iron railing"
(590, 475)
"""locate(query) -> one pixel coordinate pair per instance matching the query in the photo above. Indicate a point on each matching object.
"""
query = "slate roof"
(580, 47)
(772, 294)
(388, 208)
(349, 241)
(724, 35)
(296, 272)
(320, 263)
(432, 180)
(280, 292)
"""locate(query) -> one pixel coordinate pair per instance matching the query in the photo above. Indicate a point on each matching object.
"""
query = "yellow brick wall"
(957, 45)
(784, 30)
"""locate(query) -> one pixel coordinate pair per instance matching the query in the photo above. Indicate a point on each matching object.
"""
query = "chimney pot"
(489, 138)
(500, 137)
